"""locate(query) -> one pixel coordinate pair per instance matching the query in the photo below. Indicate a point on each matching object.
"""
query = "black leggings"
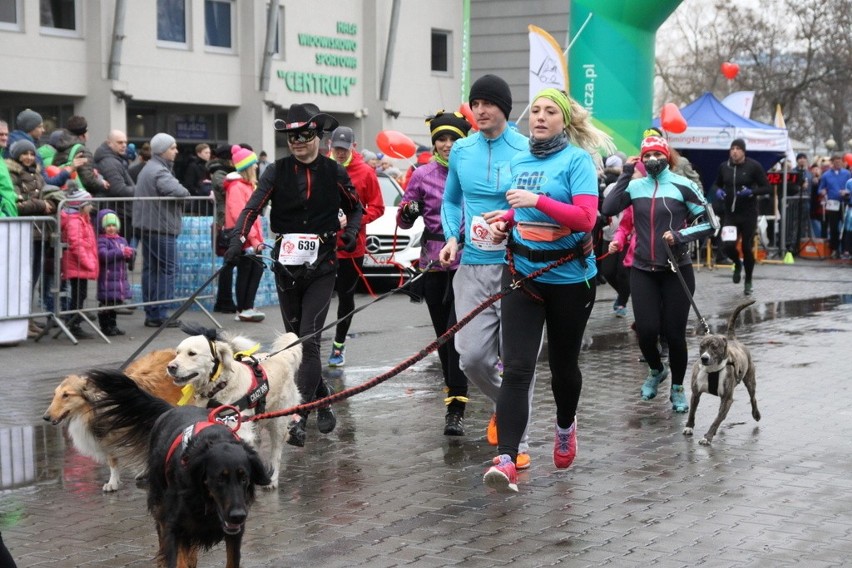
(661, 307)
(249, 273)
(565, 309)
(438, 292)
(304, 306)
(617, 275)
(348, 272)
(745, 229)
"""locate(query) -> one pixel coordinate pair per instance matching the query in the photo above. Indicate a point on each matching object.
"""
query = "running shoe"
(502, 476)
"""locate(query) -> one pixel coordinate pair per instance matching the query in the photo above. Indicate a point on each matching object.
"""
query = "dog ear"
(260, 473)
(225, 353)
(191, 329)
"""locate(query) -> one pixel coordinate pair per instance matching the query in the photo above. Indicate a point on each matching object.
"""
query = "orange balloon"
(396, 144)
(468, 114)
(847, 157)
(671, 120)
(730, 70)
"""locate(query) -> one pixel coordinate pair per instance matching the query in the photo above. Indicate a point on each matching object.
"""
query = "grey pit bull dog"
(723, 363)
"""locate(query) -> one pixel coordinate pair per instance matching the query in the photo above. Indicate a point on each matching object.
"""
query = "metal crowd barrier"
(34, 285)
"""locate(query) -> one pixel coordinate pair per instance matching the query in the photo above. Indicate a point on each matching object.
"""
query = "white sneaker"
(252, 315)
(237, 317)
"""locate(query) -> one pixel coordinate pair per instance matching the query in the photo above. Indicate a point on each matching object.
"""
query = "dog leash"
(352, 313)
(175, 314)
(419, 356)
(674, 267)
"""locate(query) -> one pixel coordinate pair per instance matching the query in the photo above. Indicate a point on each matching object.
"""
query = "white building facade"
(220, 71)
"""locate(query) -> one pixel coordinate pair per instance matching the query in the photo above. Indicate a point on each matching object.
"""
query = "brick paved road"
(387, 489)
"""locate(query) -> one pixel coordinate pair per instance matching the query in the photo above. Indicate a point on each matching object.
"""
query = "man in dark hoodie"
(739, 181)
(111, 161)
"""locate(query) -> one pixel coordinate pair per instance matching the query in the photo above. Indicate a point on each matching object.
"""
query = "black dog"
(201, 475)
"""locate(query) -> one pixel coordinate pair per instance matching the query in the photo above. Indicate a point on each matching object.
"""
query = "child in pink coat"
(238, 187)
(80, 256)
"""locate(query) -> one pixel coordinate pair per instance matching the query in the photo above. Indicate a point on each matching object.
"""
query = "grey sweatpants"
(478, 342)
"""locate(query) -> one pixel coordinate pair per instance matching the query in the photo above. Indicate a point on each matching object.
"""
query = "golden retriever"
(72, 403)
(208, 364)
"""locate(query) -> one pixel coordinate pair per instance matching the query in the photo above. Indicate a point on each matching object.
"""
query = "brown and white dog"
(723, 363)
(207, 363)
(72, 404)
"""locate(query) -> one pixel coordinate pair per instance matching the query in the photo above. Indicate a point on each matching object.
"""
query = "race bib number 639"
(298, 248)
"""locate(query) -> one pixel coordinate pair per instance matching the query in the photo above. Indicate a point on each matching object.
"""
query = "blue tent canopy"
(711, 126)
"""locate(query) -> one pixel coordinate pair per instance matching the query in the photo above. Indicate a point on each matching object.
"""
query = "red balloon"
(52, 171)
(730, 70)
(671, 120)
(396, 144)
(847, 157)
(468, 114)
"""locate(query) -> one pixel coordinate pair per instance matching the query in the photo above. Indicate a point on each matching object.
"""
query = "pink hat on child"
(243, 158)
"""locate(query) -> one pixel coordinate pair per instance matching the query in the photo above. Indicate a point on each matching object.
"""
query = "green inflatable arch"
(611, 65)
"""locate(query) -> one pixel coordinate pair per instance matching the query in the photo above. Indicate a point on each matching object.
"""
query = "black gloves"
(349, 240)
(235, 249)
(410, 211)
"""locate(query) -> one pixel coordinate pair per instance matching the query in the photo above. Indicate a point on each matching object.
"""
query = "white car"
(391, 252)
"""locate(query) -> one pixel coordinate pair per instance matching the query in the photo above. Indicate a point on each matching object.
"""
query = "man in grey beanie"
(28, 126)
(159, 224)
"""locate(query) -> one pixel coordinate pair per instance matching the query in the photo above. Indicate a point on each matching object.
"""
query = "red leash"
(419, 356)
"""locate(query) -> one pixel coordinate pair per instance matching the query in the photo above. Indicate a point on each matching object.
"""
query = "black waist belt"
(581, 250)
(430, 236)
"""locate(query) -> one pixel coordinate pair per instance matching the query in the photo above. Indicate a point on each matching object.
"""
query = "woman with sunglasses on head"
(665, 209)
(306, 191)
(554, 206)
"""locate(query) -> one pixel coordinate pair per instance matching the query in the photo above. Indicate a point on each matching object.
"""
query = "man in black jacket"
(738, 184)
(111, 161)
(306, 191)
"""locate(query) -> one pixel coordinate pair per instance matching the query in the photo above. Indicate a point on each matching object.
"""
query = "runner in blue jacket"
(477, 182)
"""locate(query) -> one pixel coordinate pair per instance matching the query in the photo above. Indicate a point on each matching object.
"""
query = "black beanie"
(739, 143)
(493, 89)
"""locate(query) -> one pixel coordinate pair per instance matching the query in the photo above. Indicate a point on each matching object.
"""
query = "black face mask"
(656, 167)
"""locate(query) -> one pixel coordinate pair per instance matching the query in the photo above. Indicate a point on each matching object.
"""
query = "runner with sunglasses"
(306, 191)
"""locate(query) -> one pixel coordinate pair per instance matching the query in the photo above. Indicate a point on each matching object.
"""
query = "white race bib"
(729, 233)
(832, 205)
(479, 235)
(298, 248)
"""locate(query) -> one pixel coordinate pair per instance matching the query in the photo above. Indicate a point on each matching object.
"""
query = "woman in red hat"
(668, 211)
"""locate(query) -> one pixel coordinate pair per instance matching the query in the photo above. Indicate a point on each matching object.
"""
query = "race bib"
(298, 248)
(479, 235)
(832, 205)
(729, 233)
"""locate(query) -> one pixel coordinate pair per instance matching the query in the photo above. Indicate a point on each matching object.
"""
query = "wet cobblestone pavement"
(386, 488)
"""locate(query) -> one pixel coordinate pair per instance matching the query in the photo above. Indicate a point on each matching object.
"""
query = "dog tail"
(292, 354)
(732, 321)
(124, 410)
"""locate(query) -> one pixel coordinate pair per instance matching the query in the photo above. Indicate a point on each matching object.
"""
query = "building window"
(10, 11)
(218, 23)
(59, 14)
(171, 21)
(440, 51)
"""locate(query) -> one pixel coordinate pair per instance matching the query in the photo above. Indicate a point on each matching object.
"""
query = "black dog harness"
(713, 380)
(255, 398)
